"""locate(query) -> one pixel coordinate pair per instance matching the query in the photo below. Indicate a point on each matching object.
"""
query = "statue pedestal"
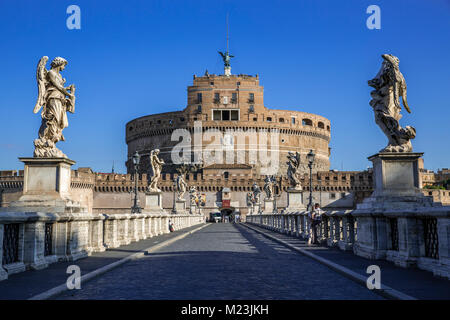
(396, 196)
(254, 209)
(46, 186)
(268, 206)
(396, 182)
(153, 201)
(294, 200)
(180, 206)
(193, 209)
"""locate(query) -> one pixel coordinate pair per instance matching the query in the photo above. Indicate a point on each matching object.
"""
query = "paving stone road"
(222, 261)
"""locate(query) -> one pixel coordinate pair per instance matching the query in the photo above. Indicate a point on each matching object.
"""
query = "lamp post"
(310, 157)
(136, 208)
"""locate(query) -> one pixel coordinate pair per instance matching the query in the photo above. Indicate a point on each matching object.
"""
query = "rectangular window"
(251, 97)
(199, 98)
(225, 115)
(332, 195)
(233, 97)
(293, 120)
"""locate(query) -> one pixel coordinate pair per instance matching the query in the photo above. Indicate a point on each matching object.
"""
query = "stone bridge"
(135, 256)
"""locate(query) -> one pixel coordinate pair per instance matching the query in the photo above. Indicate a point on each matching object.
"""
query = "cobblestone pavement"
(222, 261)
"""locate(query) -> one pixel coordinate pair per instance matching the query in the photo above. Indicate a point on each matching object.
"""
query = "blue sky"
(133, 58)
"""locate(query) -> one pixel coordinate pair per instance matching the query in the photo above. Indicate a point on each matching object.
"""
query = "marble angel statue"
(55, 100)
(156, 164)
(293, 170)
(390, 85)
(268, 187)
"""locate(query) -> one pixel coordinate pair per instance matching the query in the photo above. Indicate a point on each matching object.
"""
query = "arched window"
(281, 119)
(226, 174)
(321, 125)
(328, 128)
(307, 122)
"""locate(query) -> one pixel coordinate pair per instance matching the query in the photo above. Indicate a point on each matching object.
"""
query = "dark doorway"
(227, 215)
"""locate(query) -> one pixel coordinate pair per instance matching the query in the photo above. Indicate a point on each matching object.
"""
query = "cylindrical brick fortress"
(233, 106)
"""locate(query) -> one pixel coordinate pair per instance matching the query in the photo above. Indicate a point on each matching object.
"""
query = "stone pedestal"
(180, 206)
(254, 209)
(193, 209)
(294, 201)
(268, 206)
(396, 182)
(153, 201)
(396, 195)
(46, 186)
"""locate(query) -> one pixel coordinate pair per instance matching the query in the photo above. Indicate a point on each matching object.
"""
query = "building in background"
(229, 108)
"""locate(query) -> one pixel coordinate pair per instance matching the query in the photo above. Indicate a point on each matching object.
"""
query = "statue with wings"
(55, 100)
(293, 171)
(194, 197)
(256, 193)
(390, 85)
(269, 182)
(226, 57)
(181, 187)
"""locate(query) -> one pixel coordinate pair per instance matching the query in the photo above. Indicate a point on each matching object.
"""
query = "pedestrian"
(316, 218)
(171, 228)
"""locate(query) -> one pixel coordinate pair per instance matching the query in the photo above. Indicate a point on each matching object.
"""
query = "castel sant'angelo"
(232, 105)
(227, 112)
(237, 142)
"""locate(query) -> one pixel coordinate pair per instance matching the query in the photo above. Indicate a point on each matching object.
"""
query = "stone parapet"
(415, 237)
(33, 240)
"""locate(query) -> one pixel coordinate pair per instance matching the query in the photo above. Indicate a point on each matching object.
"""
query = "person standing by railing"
(315, 219)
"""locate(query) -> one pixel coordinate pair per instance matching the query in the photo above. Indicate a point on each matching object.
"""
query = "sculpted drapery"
(156, 164)
(390, 85)
(55, 100)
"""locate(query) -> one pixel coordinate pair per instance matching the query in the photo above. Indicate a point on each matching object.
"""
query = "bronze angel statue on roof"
(226, 57)
(390, 85)
(55, 100)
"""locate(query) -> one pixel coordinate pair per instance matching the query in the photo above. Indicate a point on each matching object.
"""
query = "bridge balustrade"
(33, 240)
(414, 238)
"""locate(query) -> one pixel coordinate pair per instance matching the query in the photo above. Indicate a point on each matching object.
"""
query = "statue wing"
(403, 94)
(41, 73)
